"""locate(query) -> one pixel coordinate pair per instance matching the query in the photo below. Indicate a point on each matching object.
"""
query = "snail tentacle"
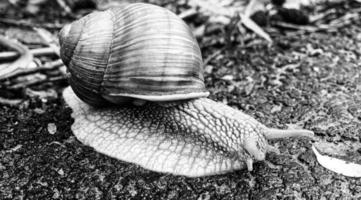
(273, 133)
(249, 162)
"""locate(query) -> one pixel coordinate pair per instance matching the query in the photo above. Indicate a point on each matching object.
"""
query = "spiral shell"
(138, 51)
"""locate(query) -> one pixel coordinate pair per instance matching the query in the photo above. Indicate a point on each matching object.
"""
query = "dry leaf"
(337, 165)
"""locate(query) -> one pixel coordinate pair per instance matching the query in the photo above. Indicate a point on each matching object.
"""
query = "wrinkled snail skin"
(137, 94)
(196, 138)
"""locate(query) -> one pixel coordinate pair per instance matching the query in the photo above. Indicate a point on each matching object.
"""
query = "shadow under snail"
(137, 94)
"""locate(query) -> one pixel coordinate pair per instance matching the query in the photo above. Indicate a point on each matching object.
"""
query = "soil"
(305, 80)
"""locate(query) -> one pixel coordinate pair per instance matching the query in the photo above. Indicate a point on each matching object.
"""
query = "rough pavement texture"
(304, 80)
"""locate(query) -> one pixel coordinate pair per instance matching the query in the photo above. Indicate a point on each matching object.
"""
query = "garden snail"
(145, 55)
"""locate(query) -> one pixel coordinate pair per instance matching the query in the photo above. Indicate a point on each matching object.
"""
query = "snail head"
(256, 145)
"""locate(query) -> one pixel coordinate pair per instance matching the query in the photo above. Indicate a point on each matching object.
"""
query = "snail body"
(189, 134)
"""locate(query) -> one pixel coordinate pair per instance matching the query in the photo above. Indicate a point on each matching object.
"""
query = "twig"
(14, 149)
(331, 26)
(65, 7)
(46, 67)
(16, 22)
(345, 19)
(10, 102)
(188, 13)
(48, 38)
(22, 62)
(213, 55)
(311, 29)
(37, 82)
(250, 8)
(297, 27)
(249, 23)
(321, 16)
(7, 55)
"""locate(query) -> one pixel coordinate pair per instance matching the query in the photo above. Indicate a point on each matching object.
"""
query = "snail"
(138, 94)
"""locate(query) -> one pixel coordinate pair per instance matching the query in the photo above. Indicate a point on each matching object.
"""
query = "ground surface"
(306, 80)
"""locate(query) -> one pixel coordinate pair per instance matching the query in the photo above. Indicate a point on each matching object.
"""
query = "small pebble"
(61, 172)
(39, 111)
(227, 78)
(52, 128)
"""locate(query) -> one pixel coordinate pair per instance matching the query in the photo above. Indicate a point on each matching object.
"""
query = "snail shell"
(138, 51)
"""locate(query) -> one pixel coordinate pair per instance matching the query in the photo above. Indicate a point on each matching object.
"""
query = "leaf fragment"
(337, 165)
